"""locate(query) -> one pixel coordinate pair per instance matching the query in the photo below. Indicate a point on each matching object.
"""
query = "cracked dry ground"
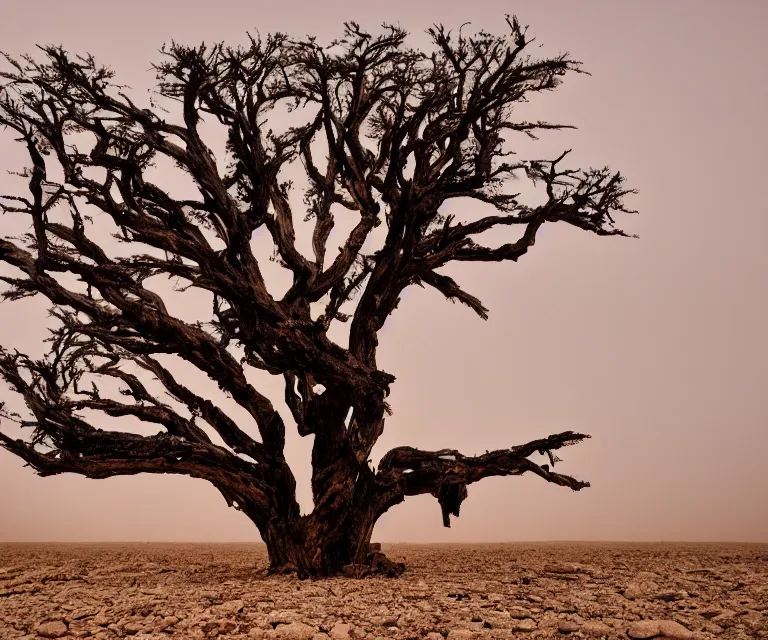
(459, 592)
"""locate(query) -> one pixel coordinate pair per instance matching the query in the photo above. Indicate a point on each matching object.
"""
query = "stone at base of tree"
(381, 565)
(378, 565)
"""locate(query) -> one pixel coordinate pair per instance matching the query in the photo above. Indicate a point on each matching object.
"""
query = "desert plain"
(458, 592)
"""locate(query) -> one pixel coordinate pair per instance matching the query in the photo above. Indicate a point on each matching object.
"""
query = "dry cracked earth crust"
(612, 591)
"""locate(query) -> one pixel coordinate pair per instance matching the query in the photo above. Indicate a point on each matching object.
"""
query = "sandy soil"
(482, 591)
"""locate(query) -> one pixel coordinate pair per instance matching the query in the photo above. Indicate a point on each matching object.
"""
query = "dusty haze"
(656, 347)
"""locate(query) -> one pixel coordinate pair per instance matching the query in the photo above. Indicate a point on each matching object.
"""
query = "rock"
(132, 628)
(550, 621)
(385, 621)
(498, 619)
(282, 617)
(84, 612)
(519, 614)
(295, 631)
(101, 619)
(526, 624)
(674, 630)
(568, 626)
(227, 626)
(633, 591)
(647, 575)
(211, 626)
(51, 629)
(231, 607)
(460, 634)
(710, 612)
(433, 635)
(643, 629)
(340, 631)
(595, 628)
(724, 616)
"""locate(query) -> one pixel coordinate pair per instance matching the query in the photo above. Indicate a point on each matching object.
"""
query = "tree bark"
(316, 547)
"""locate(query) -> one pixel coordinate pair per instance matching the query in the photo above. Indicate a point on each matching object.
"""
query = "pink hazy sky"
(656, 347)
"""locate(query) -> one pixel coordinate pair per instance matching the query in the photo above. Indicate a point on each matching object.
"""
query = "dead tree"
(391, 134)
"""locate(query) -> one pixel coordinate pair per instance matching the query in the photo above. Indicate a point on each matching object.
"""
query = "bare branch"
(446, 473)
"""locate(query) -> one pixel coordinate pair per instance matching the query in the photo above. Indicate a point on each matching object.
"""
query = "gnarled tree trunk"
(336, 537)
(319, 546)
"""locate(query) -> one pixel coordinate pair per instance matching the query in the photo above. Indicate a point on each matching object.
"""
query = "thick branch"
(109, 454)
(407, 471)
(232, 435)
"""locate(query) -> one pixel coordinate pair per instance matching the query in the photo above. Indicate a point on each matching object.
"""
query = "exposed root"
(285, 569)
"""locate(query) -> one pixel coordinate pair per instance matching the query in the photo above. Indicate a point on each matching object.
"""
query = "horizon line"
(402, 542)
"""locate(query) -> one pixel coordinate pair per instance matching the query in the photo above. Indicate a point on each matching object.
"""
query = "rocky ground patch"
(611, 591)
